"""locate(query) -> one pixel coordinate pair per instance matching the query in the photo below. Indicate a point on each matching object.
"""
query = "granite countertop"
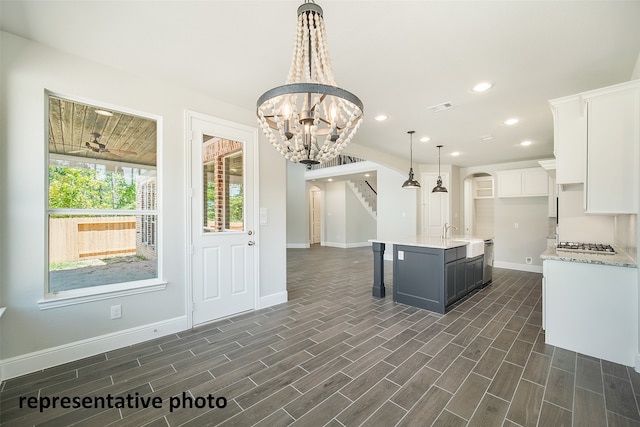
(428, 242)
(620, 259)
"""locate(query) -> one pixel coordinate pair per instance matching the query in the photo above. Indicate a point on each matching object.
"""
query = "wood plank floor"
(334, 355)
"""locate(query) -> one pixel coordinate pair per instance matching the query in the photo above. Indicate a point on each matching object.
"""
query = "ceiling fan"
(98, 147)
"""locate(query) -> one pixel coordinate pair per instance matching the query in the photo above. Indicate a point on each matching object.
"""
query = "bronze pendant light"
(411, 182)
(439, 188)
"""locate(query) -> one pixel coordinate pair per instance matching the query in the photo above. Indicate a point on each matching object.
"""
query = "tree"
(71, 188)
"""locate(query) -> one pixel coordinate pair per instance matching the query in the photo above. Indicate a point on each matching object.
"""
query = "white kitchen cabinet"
(591, 309)
(528, 182)
(613, 137)
(569, 139)
(553, 194)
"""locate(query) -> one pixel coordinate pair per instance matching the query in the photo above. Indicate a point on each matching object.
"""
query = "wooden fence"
(75, 239)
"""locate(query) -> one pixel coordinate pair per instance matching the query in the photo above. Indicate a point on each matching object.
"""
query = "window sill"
(97, 293)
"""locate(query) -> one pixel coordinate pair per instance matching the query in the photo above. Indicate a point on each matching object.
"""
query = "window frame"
(95, 293)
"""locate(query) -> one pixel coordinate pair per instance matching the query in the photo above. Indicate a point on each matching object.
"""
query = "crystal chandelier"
(309, 119)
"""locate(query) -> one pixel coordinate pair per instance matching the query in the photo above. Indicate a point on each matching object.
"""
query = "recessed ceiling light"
(511, 121)
(425, 139)
(455, 153)
(525, 143)
(486, 137)
(481, 87)
(104, 113)
(330, 179)
(367, 175)
(381, 118)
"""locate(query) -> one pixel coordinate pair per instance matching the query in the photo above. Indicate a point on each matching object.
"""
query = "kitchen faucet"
(445, 229)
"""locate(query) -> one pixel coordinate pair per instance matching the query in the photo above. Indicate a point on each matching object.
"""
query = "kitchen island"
(590, 304)
(430, 272)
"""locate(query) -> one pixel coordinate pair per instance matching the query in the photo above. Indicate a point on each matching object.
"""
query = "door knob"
(251, 243)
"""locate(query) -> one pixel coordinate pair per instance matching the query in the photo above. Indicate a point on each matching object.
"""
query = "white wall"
(335, 222)
(297, 207)
(361, 225)
(27, 70)
(513, 245)
(576, 226)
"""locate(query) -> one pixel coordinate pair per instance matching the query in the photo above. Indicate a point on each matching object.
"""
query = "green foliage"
(71, 188)
(235, 203)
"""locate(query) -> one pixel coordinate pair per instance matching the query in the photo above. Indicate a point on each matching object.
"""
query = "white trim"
(345, 245)
(637, 367)
(273, 299)
(516, 266)
(54, 356)
(97, 293)
(2, 310)
(298, 246)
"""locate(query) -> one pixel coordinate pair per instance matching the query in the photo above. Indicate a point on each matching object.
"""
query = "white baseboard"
(515, 266)
(36, 361)
(345, 245)
(273, 299)
(298, 246)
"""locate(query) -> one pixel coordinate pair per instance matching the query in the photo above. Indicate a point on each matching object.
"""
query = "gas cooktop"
(589, 248)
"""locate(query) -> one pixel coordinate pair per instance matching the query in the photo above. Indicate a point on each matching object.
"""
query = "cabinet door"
(535, 182)
(450, 281)
(509, 183)
(479, 271)
(461, 280)
(613, 125)
(569, 139)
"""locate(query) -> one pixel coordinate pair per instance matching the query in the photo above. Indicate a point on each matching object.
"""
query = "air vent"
(441, 107)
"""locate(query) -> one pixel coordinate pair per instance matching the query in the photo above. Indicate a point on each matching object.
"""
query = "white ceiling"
(399, 57)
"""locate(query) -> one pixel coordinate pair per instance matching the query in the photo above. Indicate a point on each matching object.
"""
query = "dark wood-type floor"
(334, 355)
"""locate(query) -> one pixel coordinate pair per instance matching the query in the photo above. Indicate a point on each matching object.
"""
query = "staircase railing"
(367, 192)
(339, 160)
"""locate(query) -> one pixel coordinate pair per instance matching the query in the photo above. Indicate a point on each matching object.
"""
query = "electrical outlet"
(528, 260)
(516, 225)
(116, 311)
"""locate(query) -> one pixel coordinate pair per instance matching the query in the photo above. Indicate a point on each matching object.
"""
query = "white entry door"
(223, 239)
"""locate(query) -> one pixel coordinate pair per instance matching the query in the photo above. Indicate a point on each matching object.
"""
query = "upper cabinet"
(523, 182)
(569, 139)
(596, 139)
(613, 136)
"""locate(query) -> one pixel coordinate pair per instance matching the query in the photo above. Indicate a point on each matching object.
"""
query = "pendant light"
(411, 183)
(439, 188)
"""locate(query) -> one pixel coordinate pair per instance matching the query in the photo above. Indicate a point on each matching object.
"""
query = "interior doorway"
(315, 215)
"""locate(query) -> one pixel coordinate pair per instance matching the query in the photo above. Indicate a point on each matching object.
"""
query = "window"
(102, 199)
(223, 180)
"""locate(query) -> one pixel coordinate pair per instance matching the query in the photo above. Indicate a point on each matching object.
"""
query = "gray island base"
(430, 275)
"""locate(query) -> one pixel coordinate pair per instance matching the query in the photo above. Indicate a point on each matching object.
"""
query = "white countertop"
(620, 259)
(428, 242)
